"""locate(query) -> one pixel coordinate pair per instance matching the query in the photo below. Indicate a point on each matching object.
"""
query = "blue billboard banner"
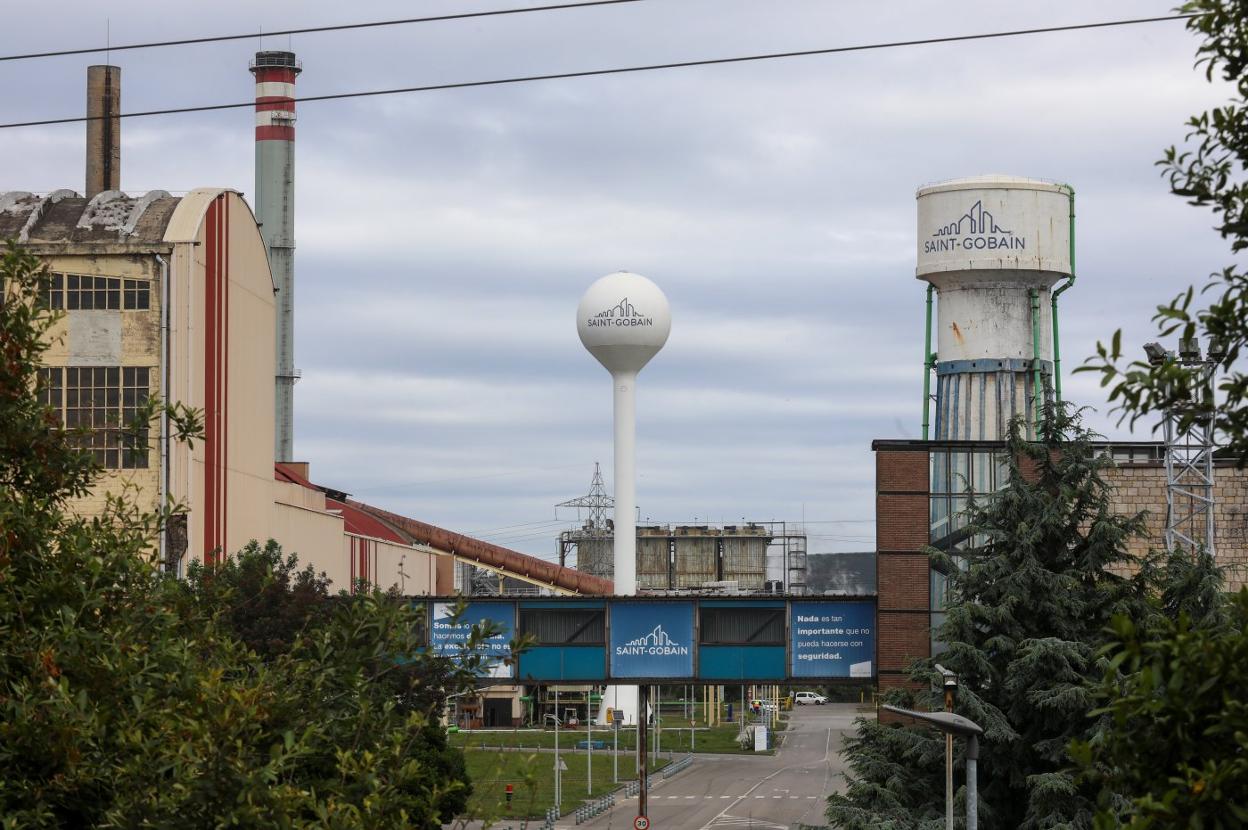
(652, 639)
(449, 638)
(832, 639)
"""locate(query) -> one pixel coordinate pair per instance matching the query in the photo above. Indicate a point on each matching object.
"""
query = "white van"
(803, 698)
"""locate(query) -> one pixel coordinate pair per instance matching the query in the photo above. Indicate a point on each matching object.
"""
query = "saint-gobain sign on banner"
(832, 639)
(652, 639)
(447, 638)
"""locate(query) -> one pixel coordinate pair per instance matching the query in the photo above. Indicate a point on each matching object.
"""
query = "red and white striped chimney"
(275, 209)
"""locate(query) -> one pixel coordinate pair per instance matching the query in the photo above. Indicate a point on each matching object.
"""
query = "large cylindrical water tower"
(992, 248)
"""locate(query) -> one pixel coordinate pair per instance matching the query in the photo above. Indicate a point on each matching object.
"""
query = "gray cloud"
(445, 238)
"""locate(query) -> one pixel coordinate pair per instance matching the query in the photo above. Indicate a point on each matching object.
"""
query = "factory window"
(56, 291)
(138, 295)
(75, 292)
(103, 402)
(742, 626)
(564, 626)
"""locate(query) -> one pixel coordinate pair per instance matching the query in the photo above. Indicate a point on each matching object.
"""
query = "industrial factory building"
(186, 299)
(992, 250)
(733, 558)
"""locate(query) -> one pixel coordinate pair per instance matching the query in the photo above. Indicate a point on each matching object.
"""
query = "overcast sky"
(445, 238)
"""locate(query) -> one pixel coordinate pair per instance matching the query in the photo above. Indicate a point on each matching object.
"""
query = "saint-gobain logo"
(621, 314)
(975, 230)
(656, 642)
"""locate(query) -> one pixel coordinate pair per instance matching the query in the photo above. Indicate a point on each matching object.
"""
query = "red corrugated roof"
(367, 520)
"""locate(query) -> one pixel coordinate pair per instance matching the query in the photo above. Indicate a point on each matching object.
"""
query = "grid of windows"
(104, 400)
(957, 475)
(74, 292)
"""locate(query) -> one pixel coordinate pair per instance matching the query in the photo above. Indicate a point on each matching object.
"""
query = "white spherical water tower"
(623, 320)
(993, 247)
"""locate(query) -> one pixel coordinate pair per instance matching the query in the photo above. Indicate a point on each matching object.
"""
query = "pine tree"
(1029, 605)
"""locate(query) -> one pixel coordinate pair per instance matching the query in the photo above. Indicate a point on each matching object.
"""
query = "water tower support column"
(625, 549)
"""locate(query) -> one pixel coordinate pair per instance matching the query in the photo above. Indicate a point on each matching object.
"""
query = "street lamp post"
(952, 724)
(951, 693)
(558, 771)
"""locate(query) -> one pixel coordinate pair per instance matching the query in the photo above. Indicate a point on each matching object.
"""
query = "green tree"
(1175, 750)
(1210, 170)
(129, 700)
(1030, 600)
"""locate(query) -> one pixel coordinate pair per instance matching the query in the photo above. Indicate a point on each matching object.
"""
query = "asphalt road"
(743, 791)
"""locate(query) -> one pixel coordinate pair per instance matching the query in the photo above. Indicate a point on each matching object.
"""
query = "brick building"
(921, 492)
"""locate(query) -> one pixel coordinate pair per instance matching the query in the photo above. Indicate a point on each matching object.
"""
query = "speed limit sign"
(641, 823)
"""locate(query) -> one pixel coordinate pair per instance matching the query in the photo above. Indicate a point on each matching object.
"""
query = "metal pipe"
(163, 483)
(928, 361)
(1057, 342)
(643, 779)
(972, 782)
(1037, 387)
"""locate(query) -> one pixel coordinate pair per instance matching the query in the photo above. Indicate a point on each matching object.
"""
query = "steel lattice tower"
(597, 502)
(1189, 451)
(1189, 481)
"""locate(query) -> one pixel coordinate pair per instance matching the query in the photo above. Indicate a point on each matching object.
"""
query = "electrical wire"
(613, 71)
(312, 30)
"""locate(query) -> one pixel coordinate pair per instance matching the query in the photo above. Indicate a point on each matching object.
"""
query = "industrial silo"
(745, 555)
(696, 555)
(653, 570)
(992, 248)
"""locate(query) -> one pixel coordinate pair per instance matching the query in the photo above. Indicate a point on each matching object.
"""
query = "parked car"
(803, 698)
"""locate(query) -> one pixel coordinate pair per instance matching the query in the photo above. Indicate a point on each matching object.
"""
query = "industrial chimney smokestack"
(275, 208)
(103, 129)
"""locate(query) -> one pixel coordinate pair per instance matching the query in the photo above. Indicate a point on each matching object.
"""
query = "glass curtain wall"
(957, 476)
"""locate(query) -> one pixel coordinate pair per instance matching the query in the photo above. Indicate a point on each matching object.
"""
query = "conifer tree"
(1029, 605)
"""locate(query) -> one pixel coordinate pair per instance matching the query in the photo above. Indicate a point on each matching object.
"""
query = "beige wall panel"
(249, 380)
(296, 495)
(419, 570)
(316, 537)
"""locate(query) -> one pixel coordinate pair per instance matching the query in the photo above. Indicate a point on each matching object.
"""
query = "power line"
(614, 71)
(312, 30)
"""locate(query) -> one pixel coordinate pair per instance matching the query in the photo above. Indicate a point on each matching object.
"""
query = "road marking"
(827, 756)
(691, 796)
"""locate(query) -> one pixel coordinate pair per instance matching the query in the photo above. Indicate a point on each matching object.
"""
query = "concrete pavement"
(744, 791)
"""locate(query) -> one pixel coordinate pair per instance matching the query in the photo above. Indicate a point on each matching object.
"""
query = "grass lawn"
(705, 739)
(674, 739)
(532, 776)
